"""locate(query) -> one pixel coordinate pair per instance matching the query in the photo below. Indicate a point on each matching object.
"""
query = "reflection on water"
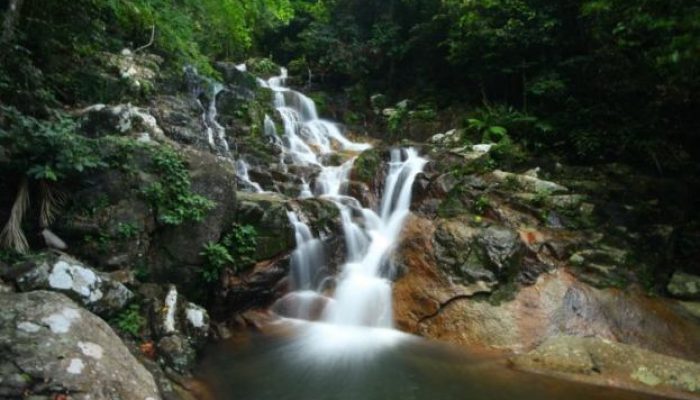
(326, 362)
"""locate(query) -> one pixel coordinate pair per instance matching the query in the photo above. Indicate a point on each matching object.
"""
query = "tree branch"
(150, 42)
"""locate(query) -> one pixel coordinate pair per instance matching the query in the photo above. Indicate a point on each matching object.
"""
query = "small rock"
(684, 286)
(53, 241)
(529, 183)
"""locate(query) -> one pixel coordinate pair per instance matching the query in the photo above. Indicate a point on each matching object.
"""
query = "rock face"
(50, 346)
(556, 304)
(96, 291)
(175, 255)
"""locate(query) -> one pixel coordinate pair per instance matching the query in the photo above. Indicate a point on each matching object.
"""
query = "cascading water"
(209, 89)
(363, 292)
(244, 178)
(353, 353)
(363, 295)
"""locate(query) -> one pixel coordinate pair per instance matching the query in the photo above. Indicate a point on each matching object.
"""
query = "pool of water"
(313, 361)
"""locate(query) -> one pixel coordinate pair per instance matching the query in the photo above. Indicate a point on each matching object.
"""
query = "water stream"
(336, 340)
(363, 293)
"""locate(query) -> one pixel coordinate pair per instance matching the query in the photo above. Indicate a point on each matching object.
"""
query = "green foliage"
(127, 230)
(262, 67)
(366, 166)
(481, 204)
(130, 320)
(541, 197)
(9, 256)
(396, 119)
(497, 124)
(216, 258)
(241, 243)
(45, 150)
(171, 195)
(615, 79)
(236, 249)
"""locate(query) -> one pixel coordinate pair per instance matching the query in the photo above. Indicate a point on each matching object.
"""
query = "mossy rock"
(367, 166)
(267, 213)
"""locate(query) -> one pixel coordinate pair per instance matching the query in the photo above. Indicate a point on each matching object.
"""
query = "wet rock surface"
(52, 347)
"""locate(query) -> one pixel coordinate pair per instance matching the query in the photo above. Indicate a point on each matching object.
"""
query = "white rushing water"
(362, 295)
(244, 178)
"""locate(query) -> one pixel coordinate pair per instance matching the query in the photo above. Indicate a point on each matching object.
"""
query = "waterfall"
(242, 175)
(363, 291)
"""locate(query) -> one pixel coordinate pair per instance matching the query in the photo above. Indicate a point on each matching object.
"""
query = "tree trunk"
(11, 19)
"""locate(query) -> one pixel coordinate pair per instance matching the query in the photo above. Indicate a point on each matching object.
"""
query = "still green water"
(331, 363)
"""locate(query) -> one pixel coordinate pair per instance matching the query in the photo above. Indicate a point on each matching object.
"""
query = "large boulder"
(180, 116)
(50, 346)
(175, 253)
(100, 120)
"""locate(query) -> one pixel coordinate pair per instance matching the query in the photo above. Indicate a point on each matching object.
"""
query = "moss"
(451, 206)
(324, 215)
(367, 165)
(504, 292)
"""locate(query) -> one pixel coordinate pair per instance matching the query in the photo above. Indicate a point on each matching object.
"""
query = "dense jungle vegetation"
(595, 79)
(589, 80)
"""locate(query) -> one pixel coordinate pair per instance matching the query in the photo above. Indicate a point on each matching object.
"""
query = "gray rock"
(528, 182)
(96, 291)
(177, 352)
(101, 120)
(181, 327)
(685, 286)
(604, 362)
(138, 70)
(180, 118)
(175, 251)
(49, 346)
(458, 252)
(268, 214)
(235, 77)
(501, 246)
(52, 240)
(601, 266)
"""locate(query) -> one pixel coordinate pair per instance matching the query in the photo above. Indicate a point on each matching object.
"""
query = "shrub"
(236, 249)
(241, 242)
(171, 195)
(130, 320)
(216, 257)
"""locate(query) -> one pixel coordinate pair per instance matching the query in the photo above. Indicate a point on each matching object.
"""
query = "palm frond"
(11, 236)
(51, 202)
